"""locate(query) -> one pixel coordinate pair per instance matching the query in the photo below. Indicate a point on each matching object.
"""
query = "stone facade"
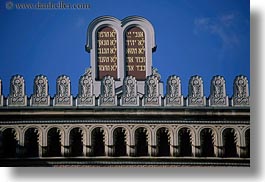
(122, 119)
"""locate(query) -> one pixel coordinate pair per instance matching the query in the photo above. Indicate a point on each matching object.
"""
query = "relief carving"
(152, 96)
(241, 91)
(129, 96)
(40, 95)
(108, 96)
(63, 95)
(86, 90)
(196, 97)
(218, 92)
(173, 96)
(17, 95)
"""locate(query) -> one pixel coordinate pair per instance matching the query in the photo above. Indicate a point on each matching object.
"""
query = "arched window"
(9, 143)
(31, 142)
(141, 142)
(76, 142)
(185, 145)
(229, 141)
(98, 142)
(163, 142)
(207, 143)
(119, 142)
(247, 138)
(54, 143)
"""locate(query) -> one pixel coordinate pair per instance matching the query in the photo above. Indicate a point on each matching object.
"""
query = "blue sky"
(193, 37)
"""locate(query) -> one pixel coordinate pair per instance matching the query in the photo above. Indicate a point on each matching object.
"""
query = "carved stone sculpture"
(86, 95)
(241, 91)
(196, 96)
(108, 96)
(130, 96)
(174, 96)
(17, 95)
(40, 95)
(152, 96)
(63, 95)
(218, 92)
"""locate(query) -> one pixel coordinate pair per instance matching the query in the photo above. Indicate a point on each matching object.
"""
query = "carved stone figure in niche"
(241, 92)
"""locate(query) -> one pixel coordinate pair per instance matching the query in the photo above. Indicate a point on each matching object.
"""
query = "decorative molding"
(130, 96)
(241, 91)
(108, 96)
(173, 95)
(86, 95)
(40, 95)
(218, 95)
(17, 95)
(63, 95)
(196, 96)
(152, 96)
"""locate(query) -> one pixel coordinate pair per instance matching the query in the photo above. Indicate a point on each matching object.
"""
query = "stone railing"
(128, 94)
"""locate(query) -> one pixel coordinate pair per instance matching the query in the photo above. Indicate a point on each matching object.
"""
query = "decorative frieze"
(196, 96)
(108, 96)
(63, 95)
(86, 95)
(130, 96)
(174, 96)
(241, 91)
(40, 95)
(152, 95)
(218, 95)
(17, 95)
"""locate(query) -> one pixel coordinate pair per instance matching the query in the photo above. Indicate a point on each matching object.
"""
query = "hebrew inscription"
(107, 53)
(135, 53)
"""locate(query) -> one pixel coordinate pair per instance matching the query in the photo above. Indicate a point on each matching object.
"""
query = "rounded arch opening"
(76, 142)
(31, 143)
(54, 143)
(141, 142)
(163, 142)
(119, 140)
(229, 143)
(185, 142)
(207, 142)
(98, 141)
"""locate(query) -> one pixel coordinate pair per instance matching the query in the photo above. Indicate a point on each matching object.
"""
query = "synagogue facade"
(121, 115)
